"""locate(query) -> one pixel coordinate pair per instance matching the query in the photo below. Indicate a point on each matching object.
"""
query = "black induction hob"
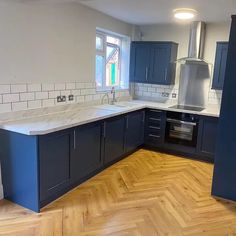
(190, 108)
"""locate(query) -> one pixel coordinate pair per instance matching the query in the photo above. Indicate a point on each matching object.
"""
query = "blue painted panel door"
(114, 131)
(134, 136)
(86, 156)
(224, 177)
(54, 159)
(140, 62)
(220, 65)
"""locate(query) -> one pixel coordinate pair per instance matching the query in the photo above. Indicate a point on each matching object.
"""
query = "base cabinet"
(86, 151)
(207, 134)
(54, 163)
(38, 169)
(114, 135)
(134, 136)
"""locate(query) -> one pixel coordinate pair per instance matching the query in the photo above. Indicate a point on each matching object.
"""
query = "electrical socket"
(61, 98)
(71, 97)
(164, 94)
(174, 95)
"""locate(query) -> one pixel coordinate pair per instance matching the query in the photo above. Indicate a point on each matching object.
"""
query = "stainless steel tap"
(113, 92)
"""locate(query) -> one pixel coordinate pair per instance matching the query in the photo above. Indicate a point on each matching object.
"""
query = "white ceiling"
(142, 12)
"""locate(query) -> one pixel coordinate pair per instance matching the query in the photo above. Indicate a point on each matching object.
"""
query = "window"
(111, 53)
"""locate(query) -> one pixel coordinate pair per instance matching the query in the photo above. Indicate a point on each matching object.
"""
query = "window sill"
(109, 90)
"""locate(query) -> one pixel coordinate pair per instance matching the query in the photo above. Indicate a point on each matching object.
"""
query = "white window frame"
(103, 53)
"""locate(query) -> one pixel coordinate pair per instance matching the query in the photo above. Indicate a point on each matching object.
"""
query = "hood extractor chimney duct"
(194, 72)
(196, 40)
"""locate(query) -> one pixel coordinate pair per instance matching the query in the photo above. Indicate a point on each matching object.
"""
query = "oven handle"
(181, 122)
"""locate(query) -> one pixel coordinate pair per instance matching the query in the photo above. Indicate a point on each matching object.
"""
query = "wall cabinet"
(153, 62)
(134, 136)
(207, 133)
(220, 65)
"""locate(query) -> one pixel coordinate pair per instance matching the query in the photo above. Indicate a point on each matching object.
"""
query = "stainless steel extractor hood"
(194, 72)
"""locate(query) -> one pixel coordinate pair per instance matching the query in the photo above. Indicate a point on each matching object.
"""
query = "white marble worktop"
(44, 121)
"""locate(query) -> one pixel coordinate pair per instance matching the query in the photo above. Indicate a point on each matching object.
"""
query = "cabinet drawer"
(153, 139)
(154, 122)
(153, 130)
(154, 113)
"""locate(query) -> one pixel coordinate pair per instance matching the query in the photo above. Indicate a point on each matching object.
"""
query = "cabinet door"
(220, 65)
(134, 130)
(160, 64)
(54, 158)
(86, 156)
(140, 62)
(114, 130)
(207, 133)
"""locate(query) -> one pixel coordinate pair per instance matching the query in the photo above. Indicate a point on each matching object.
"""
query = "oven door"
(181, 132)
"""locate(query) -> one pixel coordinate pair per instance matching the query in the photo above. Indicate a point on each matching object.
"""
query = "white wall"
(179, 33)
(50, 42)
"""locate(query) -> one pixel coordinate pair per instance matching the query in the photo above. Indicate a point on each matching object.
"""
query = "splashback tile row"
(17, 97)
(169, 92)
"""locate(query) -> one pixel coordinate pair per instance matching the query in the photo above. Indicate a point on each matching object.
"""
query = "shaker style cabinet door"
(207, 134)
(86, 157)
(220, 65)
(54, 159)
(140, 62)
(113, 132)
(134, 135)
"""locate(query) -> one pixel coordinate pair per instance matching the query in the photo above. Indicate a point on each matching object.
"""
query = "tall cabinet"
(225, 159)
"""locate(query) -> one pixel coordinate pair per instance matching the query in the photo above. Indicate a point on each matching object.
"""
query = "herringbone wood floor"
(147, 193)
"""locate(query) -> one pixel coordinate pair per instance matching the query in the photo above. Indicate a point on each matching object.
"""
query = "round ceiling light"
(184, 13)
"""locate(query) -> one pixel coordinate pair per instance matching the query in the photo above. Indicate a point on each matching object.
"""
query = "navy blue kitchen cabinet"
(155, 128)
(153, 62)
(114, 137)
(54, 163)
(220, 65)
(134, 134)
(86, 151)
(207, 134)
(140, 58)
(225, 159)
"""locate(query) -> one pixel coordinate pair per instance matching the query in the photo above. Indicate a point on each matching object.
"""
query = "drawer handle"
(151, 118)
(153, 127)
(74, 143)
(155, 136)
(155, 111)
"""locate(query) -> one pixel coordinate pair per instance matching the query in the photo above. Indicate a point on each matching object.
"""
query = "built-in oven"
(181, 128)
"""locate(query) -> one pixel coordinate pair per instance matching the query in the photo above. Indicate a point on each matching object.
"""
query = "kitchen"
(112, 122)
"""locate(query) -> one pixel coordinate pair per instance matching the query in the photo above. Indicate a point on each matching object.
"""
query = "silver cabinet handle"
(157, 111)
(146, 73)
(74, 141)
(154, 127)
(155, 136)
(165, 74)
(143, 120)
(181, 122)
(151, 118)
(104, 130)
(127, 122)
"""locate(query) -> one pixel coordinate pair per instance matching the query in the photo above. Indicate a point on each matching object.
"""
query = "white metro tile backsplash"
(16, 97)
(160, 92)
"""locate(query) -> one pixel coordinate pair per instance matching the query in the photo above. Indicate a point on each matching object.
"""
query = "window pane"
(112, 67)
(99, 43)
(113, 40)
(99, 70)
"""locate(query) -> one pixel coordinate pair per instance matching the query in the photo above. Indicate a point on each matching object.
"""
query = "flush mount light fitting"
(184, 13)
